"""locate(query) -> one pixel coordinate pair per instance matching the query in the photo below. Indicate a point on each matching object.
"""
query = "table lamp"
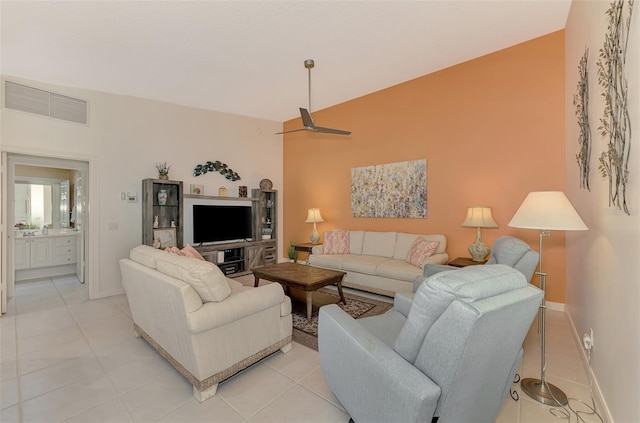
(314, 216)
(479, 217)
(547, 211)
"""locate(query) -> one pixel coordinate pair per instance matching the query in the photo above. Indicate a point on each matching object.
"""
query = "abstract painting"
(396, 190)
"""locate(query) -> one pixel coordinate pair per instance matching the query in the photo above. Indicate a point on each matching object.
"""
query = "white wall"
(603, 264)
(125, 138)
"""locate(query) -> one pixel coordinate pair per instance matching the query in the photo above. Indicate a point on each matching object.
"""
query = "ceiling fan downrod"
(309, 64)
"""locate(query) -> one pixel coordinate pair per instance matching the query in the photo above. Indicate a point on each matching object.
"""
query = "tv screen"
(221, 223)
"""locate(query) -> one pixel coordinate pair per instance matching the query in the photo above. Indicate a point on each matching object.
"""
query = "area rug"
(306, 332)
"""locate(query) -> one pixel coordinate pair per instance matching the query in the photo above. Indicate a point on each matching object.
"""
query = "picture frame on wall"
(166, 236)
(197, 189)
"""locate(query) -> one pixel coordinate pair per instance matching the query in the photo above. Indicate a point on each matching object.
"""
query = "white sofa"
(206, 341)
(377, 261)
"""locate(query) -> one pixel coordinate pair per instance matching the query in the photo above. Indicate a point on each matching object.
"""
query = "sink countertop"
(52, 233)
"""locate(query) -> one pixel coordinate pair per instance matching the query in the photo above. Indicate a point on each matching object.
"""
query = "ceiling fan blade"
(307, 120)
(293, 130)
(331, 131)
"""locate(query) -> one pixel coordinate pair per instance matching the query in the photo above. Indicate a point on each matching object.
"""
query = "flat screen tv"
(221, 223)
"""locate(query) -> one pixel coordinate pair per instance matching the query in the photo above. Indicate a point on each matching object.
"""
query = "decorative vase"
(164, 176)
(162, 197)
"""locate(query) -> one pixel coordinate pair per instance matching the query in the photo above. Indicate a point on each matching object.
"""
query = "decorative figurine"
(156, 224)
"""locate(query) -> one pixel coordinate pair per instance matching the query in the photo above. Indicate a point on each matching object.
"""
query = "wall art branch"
(616, 123)
(581, 103)
(217, 166)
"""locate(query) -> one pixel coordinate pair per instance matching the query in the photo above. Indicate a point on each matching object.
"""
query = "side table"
(304, 248)
(465, 261)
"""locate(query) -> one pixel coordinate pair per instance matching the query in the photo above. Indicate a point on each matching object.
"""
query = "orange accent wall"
(491, 130)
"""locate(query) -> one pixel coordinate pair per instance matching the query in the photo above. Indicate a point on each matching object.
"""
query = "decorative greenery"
(291, 251)
(616, 123)
(217, 166)
(581, 103)
(163, 170)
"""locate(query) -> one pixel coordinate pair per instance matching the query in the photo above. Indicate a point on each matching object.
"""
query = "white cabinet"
(33, 252)
(42, 252)
(22, 254)
(65, 250)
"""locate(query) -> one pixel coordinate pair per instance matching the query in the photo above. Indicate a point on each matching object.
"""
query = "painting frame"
(166, 236)
(391, 190)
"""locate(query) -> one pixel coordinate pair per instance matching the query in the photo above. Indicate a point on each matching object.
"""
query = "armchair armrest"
(402, 302)
(371, 380)
(235, 307)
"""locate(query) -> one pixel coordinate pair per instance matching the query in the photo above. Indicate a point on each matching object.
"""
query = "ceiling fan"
(307, 120)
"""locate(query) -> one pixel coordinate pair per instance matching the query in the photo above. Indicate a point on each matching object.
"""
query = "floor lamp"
(546, 211)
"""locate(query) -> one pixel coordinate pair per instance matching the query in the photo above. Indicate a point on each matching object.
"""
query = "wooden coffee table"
(299, 276)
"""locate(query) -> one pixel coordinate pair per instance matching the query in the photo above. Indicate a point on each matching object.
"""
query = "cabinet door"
(22, 254)
(41, 252)
(254, 256)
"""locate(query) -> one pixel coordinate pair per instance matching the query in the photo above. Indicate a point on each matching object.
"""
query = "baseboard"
(601, 404)
(555, 306)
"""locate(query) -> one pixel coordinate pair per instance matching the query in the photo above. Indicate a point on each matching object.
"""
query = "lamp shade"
(314, 216)
(479, 217)
(547, 210)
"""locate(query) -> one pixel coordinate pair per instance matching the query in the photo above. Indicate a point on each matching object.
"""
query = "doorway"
(43, 195)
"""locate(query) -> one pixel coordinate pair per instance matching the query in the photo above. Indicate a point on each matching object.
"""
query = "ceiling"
(247, 57)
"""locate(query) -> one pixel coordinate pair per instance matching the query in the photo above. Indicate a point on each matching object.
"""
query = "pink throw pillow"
(189, 251)
(336, 242)
(420, 250)
(174, 250)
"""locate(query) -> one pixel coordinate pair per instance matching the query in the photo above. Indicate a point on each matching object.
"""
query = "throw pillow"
(420, 251)
(174, 250)
(189, 251)
(205, 277)
(336, 242)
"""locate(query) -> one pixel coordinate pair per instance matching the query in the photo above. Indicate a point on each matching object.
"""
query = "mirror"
(41, 202)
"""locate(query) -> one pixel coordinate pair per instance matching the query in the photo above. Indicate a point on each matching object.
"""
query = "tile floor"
(65, 358)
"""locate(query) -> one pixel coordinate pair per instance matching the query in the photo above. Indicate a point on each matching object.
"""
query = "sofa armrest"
(370, 380)
(317, 249)
(235, 307)
(402, 302)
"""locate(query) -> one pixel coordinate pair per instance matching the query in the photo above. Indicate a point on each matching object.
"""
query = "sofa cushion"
(468, 284)
(356, 239)
(205, 277)
(335, 242)
(420, 251)
(146, 255)
(398, 269)
(403, 243)
(367, 265)
(331, 261)
(379, 244)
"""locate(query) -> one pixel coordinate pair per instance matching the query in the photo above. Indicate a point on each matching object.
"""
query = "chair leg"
(206, 394)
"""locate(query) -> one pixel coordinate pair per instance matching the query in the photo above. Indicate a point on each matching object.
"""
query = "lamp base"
(545, 393)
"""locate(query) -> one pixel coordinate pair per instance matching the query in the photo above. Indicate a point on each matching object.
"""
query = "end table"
(465, 261)
(307, 247)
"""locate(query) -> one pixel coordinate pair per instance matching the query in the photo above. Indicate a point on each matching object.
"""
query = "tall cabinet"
(168, 208)
(265, 218)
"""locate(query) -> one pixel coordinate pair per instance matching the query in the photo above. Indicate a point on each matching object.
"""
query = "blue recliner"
(451, 352)
(508, 250)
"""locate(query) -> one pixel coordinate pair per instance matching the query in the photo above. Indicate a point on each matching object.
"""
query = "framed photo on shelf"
(197, 189)
(166, 236)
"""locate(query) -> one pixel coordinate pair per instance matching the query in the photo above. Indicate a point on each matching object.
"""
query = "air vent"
(44, 103)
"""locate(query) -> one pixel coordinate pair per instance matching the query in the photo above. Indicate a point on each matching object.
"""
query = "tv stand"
(237, 258)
